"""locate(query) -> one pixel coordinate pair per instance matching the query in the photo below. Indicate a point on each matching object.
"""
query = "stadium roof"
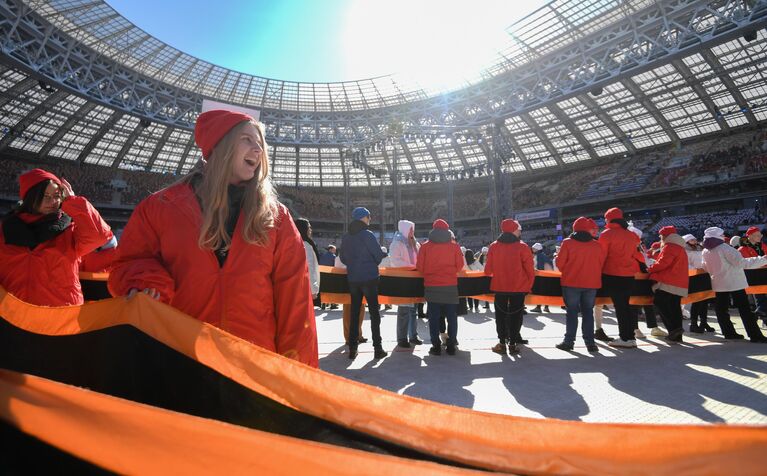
(577, 80)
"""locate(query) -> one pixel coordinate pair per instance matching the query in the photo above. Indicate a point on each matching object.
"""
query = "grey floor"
(704, 380)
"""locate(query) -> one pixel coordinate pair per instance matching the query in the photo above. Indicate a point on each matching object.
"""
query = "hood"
(404, 227)
(357, 226)
(675, 239)
(710, 243)
(439, 235)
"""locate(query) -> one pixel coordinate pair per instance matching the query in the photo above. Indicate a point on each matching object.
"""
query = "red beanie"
(584, 224)
(32, 178)
(752, 230)
(509, 226)
(440, 224)
(212, 126)
(613, 214)
(667, 230)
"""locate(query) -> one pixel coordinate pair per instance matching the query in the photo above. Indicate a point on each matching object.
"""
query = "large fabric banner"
(405, 286)
(164, 361)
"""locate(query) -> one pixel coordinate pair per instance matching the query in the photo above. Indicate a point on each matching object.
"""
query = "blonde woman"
(218, 245)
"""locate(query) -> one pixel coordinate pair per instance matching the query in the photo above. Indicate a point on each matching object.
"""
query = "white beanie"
(537, 247)
(485, 249)
(714, 232)
(463, 249)
(688, 237)
(735, 241)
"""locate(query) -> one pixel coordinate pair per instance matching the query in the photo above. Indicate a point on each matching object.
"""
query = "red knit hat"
(584, 224)
(667, 230)
(510, 226)
(752, 230)
(212, 126)
(440, 224)
(655, 245)
(613, 214)
(32, 178)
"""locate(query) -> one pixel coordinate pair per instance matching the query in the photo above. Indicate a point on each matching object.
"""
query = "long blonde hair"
(259, 204)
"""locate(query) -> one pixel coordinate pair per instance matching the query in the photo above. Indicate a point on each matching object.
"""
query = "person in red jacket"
(752, 247)
(439, 260)
(510, 264)
(580, 261)
(42, 242)
(218, 246)
(100, 260)
(620, 246)
(670, 273)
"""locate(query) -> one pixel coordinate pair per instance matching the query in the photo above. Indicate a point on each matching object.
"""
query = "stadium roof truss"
(577, 80)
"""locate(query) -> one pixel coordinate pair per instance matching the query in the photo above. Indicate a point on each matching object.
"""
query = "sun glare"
(439, 45)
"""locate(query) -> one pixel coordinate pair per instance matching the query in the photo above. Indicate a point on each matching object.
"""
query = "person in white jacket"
(725, 265)
(403, 253)
(305, 229)
(698, 310)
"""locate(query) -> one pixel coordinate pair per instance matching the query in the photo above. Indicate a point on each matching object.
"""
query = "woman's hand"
(151, 292)
(66, 190)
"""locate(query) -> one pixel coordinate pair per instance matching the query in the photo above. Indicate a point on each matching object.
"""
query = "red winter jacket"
(439, 263)
(99, 261)
(580, 263)
(261, 294)
(620, 246)
(749, 252)
(511, 267)
(48, 274)
(670, 271)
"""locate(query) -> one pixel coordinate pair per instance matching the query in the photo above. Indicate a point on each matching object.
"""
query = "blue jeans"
(406, 323)
(433, 312)
(579, 300)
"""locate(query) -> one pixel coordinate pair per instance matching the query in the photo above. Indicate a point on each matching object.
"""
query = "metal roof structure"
(578, 80)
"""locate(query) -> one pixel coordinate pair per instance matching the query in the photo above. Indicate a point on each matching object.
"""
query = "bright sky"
(438, 43)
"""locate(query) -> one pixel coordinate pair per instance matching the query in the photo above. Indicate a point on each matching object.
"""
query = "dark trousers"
(369, 289)
(619, 290)
(434, 312)
(746, 315)
(699, 313)
(508, 316)
(670, 309)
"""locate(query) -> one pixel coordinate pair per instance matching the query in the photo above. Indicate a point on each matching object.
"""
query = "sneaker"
(592, 348)
(451, 350)
(760, 339)
(435, 350)
(546, 309)
(696, 329)
(362, 340)
(599, 334)
(333, 307)
(734, 337)
(443, 337)
(564, 346)
(638, 334)
(536, 309)
(380, 353)
(352, 353)
(499, 348)
(403, 343)
(416, 341)
(513, 349)
(658, 332)
(707, 328)
(623, 343)
(522, 341)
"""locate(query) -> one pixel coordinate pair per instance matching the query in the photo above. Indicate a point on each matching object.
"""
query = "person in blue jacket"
(361, 253)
